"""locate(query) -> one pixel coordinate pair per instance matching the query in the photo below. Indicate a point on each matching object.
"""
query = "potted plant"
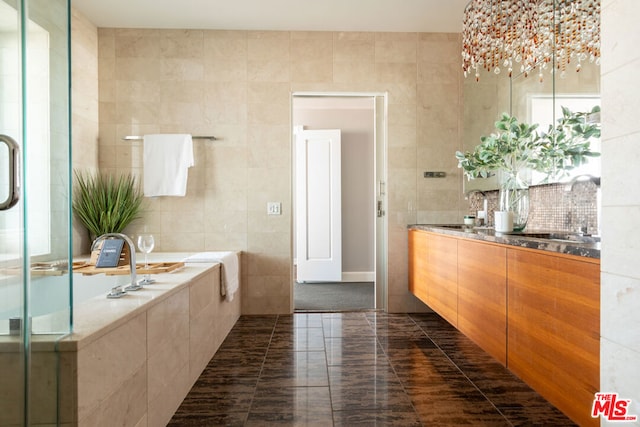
(518, 148)
(105, 203)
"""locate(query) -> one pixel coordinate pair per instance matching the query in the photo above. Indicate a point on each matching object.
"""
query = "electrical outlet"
(274, 208)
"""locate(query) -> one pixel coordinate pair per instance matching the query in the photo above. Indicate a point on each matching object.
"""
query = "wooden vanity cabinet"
(482, 296)
(433, 276)
(418, 265)
(535, 311)
(554, 328)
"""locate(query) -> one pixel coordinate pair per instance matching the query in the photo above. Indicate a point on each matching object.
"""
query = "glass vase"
(514, 196)
(516, 200)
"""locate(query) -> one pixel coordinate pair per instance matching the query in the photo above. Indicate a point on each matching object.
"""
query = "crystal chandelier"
(528, 35)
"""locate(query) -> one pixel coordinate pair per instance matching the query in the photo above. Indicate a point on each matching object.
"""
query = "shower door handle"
(13, 195)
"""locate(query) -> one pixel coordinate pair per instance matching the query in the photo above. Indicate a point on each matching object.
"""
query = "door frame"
(380, 184)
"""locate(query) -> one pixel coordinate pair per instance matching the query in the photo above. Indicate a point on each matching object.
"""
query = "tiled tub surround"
(131, 361)
(559, 207)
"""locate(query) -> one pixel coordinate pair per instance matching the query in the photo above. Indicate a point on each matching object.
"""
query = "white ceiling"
(310, 15)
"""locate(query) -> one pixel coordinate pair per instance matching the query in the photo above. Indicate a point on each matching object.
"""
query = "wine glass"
(146, 244)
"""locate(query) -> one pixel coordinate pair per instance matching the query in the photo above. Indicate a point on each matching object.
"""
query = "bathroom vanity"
(532, 301)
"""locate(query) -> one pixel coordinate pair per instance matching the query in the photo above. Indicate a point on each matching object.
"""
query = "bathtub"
(147, 348)
(50, 299)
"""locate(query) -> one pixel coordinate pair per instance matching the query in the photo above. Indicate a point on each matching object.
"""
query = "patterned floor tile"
(358, 369)
(291, 406)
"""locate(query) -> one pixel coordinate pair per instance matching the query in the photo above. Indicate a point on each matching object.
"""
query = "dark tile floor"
(358, 368)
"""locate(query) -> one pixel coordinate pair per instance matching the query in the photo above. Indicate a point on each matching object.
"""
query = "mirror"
(531, 101)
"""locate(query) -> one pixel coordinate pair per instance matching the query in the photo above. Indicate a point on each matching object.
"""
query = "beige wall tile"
(269, 47)
(268, 71)
(237, 85)
(127, 406)
(620, 212)
(354, 72)
(396, 72)
(164, 405)
(217, 47)
(113, 360)
(167, 345)
(403, 51)
(354, 50)
(137, 46)
(312, 71)
(136, 68)
(181, 69)
(182, 44)
(225, 70)
(85, 96)
(11, 387)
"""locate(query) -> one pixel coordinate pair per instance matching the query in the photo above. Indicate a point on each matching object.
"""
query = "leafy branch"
(517, 146)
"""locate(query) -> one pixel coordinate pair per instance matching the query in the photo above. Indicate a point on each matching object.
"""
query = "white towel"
(167, 159)
(230, 270)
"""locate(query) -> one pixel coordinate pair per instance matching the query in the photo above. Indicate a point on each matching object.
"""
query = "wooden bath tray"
(154, 268)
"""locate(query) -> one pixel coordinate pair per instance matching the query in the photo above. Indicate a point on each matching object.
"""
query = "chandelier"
(528, 35)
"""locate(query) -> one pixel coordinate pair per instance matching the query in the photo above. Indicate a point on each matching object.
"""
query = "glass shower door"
(13, 342)
(35, 283)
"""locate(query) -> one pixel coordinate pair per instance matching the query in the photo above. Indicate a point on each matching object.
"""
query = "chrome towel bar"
(140, 138)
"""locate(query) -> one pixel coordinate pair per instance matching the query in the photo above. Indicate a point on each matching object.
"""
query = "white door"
(318, 206)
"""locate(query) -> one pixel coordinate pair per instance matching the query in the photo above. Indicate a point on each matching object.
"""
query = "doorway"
(360, 248)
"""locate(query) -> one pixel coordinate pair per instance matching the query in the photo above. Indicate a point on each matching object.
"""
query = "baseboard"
(358, 276)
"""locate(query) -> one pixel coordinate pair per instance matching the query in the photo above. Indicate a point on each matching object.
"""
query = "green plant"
(567, 145)
(104, 203)
(518, 146)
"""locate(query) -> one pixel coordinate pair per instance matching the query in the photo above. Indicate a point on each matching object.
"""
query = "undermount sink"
(557, 236)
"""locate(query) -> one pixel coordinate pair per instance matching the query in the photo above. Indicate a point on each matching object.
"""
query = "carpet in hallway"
(334, 296)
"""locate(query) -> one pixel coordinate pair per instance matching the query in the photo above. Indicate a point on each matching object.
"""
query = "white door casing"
(318, 206)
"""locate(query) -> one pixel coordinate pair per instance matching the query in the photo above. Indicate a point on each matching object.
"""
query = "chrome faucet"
(582, 178)
(118, 291)
(485, 204)
(583, 226)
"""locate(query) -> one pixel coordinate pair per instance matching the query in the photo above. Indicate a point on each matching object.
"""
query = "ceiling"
(292, 15)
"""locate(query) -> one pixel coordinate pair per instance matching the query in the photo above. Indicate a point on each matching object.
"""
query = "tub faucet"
(118, 291)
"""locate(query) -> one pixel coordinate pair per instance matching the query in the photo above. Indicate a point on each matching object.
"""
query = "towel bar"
(140, 138)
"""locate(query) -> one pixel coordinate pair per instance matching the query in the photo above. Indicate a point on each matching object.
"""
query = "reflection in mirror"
(531, 101)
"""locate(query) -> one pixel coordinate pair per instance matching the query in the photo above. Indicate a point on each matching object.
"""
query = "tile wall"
(84, 103)
(557, 207)
(237, 86)
(620, 295)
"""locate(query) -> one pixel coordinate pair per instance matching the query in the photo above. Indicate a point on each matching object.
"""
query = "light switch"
(274, 208)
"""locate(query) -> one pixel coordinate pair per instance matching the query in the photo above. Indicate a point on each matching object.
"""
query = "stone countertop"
(590, 248)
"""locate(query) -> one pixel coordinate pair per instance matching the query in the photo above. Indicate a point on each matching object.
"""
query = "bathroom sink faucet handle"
(116, 292)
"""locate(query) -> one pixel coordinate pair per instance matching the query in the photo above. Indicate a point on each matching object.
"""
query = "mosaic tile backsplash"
(558, 207)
